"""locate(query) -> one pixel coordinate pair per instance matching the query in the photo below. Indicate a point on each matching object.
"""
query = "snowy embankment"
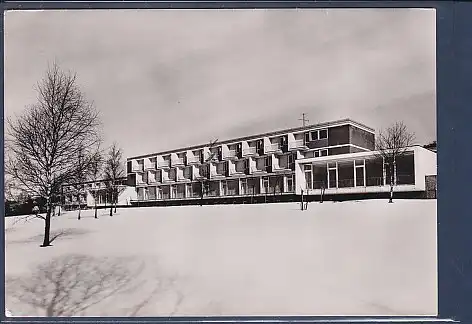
(349, 258)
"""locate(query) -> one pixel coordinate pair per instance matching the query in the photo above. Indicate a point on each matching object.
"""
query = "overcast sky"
(168, 79)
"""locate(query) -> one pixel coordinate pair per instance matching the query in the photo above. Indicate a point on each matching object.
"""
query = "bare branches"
(393, 142)
(53, 141)
(114, 171)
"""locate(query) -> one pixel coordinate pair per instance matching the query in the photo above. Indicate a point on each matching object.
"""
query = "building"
(84, 194)
(276, 166)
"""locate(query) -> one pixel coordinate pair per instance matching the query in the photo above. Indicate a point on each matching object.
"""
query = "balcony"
(250, 151)
(193, 160)
(138, 168)
(151, 165)
(230, 155)
(178, 162)
(164, 164)
(273, 148)
(298, 145)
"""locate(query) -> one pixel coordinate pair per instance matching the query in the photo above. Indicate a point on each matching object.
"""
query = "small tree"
(80, 179)
(204, 178)
(323, 188)
(391, 144)
(96, 169)
(45, 140)
(114, 171)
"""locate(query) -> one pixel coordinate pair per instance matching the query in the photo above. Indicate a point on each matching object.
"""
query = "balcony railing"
(164, 164)
(150, 166)
(138, 168)
(250, 151)
(231, 154)
(273, 148)
(298, 144)
(179, 161)
(193, 160)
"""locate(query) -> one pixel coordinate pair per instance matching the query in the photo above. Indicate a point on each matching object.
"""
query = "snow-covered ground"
(345, 258)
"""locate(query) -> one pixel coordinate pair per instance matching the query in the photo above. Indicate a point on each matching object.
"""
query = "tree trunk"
(79, 212)
(302, 204)
(95, 209)
(47, 226)
(111, 210)
(392, 183)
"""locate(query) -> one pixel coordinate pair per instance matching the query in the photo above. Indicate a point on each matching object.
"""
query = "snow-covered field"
(345, 258)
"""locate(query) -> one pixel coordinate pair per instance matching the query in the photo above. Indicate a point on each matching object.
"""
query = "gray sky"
(168, 79)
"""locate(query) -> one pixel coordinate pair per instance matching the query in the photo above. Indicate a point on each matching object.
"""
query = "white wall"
(425, 164)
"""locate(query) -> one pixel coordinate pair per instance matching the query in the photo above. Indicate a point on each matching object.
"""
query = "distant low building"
(84, 194)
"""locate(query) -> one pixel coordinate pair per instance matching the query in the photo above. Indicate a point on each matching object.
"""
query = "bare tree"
(45, 140)
(204, 178)
(81, 177)
(391, 144)
(96, 169)
(114, 172)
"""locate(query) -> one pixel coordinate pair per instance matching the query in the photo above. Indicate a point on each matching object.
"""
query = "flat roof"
(256, 136)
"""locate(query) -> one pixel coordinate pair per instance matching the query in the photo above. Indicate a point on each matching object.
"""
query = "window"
(360, 176)
(317, 153)
(265, 185)
(308, 176)
(307, 167)
(290, 186)
(174, 192)
(268, 161)
(314, 135)
(324, 152)
(323, 134)
(307, 137)
(244, 190)
(224, 188)
(332, 175)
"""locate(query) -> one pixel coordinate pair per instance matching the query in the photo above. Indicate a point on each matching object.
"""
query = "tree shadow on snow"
(72, 284)
(67, 233)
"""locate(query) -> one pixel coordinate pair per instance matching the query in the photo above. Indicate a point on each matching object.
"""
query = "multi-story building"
(279, 165)
(84, 194)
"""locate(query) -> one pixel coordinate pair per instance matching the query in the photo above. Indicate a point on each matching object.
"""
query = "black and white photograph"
(252, 162)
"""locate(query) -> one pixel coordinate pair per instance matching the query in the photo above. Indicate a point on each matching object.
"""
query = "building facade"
(338, 156)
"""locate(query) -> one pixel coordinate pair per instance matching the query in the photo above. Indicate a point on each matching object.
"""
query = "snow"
(344, 258)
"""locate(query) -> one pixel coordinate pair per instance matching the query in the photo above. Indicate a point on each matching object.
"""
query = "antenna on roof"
(303, 119)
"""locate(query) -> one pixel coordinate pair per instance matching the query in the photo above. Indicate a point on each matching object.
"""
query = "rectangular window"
(307, 137)
(307, 167)
(224, 187)
(309, 179)
(314, 135)
(323, 134)
(268, 161)
(324, 152)
(359, 176)
(332, 178)
(290, 182)
(317, 153)
(244, 187)
(265, 185)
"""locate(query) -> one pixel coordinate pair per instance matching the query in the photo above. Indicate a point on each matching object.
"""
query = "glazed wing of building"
(254, 165)
(365, 172)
